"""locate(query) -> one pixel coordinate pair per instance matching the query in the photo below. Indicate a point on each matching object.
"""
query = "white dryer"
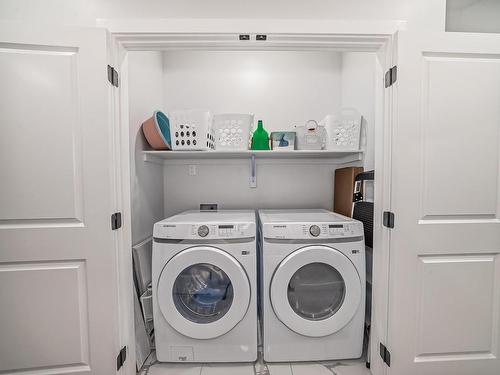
(313, 285)
(204, 287)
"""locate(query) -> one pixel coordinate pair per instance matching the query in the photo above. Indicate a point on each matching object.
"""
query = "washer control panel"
(314, 230)
(204, 231)
(220, 231)
(351, 228)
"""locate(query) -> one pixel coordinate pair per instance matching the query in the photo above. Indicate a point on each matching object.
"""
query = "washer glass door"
(203, 292)
(316, 291)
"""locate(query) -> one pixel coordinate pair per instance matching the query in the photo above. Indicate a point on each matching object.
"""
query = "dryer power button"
(203, 231)
(314, 230)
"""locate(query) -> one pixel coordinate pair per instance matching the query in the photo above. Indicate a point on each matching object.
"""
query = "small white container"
(232, 131)
(311, 136)
(191, 130)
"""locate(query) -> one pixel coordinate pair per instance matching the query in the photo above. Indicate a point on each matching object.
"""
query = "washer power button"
(314, 230)
(203, 231)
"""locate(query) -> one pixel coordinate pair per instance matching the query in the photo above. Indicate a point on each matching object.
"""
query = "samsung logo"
(169, 226)
(279, 226)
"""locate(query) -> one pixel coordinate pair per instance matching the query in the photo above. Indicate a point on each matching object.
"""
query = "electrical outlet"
(192, 170)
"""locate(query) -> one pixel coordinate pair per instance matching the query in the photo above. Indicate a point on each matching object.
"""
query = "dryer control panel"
(323, 230)
(204, 231)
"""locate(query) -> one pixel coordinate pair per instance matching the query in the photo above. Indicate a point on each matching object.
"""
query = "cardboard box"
(344, 189)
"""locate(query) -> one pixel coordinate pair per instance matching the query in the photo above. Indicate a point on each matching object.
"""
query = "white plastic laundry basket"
(191, 130)
(344, 129)
(232, 131)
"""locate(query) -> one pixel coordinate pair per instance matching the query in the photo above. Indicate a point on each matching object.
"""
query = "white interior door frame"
(282, 35)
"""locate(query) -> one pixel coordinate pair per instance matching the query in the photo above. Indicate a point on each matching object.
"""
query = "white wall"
(145, 96)
(282, 88)
(473, 16)
(421, 14)
(278, 186)
(358, 91)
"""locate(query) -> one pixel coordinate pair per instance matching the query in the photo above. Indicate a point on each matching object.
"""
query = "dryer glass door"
(316, 291)
(203, 292)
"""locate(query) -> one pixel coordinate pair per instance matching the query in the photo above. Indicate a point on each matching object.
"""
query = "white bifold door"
(57, 250)
(444, 308)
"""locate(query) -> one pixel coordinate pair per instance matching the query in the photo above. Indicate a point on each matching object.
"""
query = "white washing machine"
(204, 287)
(313, 285)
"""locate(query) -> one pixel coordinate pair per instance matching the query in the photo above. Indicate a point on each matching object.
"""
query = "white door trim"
(131, 35)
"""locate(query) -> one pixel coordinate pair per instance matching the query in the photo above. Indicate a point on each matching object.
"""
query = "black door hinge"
(113, 76)
(388, 219)
(385, 354)
(391, 76)
(261, 37)
(121, 357)
(244, 36)
(116, 220)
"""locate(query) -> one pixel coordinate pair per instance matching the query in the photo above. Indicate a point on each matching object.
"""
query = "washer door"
(203, 292)
(315, 291)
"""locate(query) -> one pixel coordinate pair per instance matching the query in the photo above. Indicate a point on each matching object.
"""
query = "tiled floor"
(351, 367)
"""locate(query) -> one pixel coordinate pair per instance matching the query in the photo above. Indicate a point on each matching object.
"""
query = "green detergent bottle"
(260, 138)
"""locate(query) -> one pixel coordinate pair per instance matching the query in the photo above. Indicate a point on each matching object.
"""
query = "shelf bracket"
(153, 159)
(253, 172)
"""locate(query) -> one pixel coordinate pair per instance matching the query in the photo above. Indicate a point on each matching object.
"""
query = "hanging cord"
(145, 368)
(149, 366)
(259, 366)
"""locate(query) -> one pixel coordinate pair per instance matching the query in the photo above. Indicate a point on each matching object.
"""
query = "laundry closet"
(414, 135)
(285, 88)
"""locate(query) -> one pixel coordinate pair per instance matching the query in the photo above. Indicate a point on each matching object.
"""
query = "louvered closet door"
(444, 311)
(57, 255)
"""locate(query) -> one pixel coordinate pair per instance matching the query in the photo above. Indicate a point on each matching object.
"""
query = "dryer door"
(316, 291)
(203, 292)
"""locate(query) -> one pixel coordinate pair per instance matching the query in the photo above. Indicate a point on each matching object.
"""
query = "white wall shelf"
(327, 156)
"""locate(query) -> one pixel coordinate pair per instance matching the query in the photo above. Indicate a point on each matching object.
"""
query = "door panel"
(444, 314)
(460, 123)
(40, 128)
(57, 250)
(54, 298)
(442, 279)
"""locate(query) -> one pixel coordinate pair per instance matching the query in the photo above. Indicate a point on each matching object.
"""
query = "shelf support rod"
(253, 172)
